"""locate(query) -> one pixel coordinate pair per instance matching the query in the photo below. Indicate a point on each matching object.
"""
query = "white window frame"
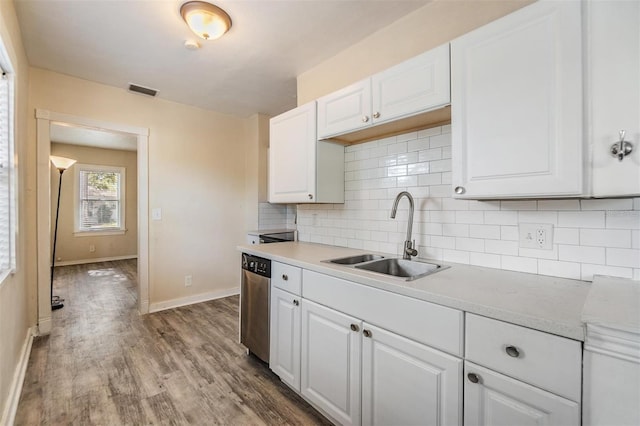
(76, 203)
(6, 72)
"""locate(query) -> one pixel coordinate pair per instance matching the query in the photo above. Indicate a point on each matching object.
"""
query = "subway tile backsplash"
(589, 236)
(276, 216)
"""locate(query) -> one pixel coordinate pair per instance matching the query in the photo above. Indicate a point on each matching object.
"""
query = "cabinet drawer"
(286, 277)
(550, 362)
(434, 325)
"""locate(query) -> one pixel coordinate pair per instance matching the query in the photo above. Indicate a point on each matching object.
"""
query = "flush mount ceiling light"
(206, 20)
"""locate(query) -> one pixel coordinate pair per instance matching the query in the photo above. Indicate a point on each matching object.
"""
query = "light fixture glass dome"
(206, 20)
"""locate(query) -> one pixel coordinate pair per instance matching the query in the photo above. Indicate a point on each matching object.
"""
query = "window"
(100, 199)
(7, 191)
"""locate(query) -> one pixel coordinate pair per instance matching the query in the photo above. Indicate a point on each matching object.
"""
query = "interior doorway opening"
(50, 126)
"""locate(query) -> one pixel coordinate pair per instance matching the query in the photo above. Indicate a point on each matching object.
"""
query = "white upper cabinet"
(411, 87)
(516, 97)
(416, 85)
(301, 169)
(345, 110)
(614, 88)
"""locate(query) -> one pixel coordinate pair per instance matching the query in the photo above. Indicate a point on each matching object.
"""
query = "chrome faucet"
(409, 247)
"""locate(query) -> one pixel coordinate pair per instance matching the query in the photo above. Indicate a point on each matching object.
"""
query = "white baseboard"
(44, 326)
(143, 307)
(196, 298)
(96, 260)
(11, 407)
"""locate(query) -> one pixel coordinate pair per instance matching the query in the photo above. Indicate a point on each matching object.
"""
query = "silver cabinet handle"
(354, 327)
(512, 351)
(295, 302)
(376, 115)
(459, 190)
(621, 148)
(473, 378)
(285, 277)
(365, 118)
(367, 333)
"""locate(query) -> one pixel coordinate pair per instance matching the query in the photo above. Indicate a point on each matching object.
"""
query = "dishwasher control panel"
(257, 265)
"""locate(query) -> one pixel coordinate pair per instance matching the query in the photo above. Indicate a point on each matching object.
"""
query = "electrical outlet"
(92, 248)
(536, 236)
(188, 280)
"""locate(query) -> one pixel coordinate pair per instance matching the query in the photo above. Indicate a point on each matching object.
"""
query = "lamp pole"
(62, 164)
(56, 302)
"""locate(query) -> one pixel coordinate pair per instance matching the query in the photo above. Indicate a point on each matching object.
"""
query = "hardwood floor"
(103, 364)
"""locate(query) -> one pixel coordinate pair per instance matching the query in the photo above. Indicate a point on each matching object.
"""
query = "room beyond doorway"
(45, 121)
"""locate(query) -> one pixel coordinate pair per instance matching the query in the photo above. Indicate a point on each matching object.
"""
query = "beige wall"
(430, 26)
(18, 291)
(196, 176)
(256, 167)
(72, 247)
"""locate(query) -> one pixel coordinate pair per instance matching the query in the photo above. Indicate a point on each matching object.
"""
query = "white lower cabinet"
(331, 350)
(284, 341)
(493, 399)
(358, 373)
(407, 383)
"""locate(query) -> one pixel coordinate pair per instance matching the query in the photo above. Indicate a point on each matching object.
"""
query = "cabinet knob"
(473, 378)
(367, 333)
(311, 196)
(354, 327)
(295, 302)
(285, 277)
(376, 115)
(459, 190)
(365, 118)
(512, 351)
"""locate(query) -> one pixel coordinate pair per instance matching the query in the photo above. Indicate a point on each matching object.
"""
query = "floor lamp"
(61, 164)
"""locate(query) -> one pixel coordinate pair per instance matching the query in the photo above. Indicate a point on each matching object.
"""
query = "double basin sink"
(401, 268)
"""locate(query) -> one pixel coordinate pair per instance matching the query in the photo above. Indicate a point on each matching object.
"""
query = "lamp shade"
(62, 163)
(206, 20)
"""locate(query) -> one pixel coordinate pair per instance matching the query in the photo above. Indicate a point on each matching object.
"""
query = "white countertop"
(614, 303)
(549, 304)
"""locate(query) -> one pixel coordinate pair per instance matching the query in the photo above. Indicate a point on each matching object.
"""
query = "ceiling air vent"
(142, 90)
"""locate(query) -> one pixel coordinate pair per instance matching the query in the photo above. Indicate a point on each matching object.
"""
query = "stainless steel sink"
(408, 269)
(352, 260)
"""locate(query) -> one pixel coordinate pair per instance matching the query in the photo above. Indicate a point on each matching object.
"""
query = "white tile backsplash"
(276, 216)
(599, 236)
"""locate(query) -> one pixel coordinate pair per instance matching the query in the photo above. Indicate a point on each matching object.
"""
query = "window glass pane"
(99, 199)
(5, 169)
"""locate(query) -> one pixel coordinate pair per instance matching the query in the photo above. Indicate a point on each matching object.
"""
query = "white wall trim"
(96, 260)
(11, 407)
(196, 298)
(44, 119)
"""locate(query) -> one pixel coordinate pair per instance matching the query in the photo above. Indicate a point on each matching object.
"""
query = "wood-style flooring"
(103, 364)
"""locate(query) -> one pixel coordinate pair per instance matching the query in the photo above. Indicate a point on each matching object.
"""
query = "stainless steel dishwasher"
(254, 305)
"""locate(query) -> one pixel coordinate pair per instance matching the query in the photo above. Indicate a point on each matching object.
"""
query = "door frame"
(44, 118)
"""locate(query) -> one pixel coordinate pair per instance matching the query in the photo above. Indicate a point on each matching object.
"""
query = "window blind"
(5, 175)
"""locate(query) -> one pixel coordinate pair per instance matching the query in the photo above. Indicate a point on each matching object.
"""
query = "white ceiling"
(252, 69)
(74, 135)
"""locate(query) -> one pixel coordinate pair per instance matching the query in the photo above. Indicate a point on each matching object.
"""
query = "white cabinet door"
(284, 339)
(331, 349)
(345, 110)
(406, 383)
(292, 155)
(516, 99)
(497, 400)
(614, 86)
(419, 84)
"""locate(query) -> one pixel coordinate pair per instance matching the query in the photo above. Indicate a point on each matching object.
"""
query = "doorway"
(46, 121)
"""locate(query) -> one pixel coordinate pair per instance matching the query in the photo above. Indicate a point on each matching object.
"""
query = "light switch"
(156, 214)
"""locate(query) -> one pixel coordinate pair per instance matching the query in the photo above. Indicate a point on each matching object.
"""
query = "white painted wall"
(590, 236)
